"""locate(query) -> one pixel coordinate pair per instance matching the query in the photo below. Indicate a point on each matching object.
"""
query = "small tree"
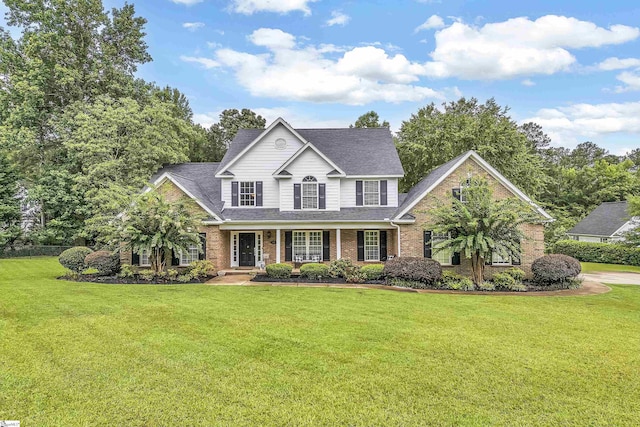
(157, 226)
(480, 225)
(9, 204)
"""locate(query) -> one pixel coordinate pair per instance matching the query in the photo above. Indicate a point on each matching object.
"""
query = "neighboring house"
(305, 195)
(607, 223)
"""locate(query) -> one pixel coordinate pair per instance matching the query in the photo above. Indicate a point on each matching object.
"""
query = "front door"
(247, 247)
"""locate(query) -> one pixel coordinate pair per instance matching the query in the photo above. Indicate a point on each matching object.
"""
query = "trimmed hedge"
(105, 262)
(554, 269)
(424, 270)
(279, 271)
(73, 259)
(607, 253)
(373, 271)
(314, 271)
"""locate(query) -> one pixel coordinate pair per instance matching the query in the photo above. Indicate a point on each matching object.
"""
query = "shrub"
(553, 269)
(201, 269)
(147, 275)
(424, 270)
(357, 276)
(73, 259)
(127, 271)
(373, 271)
(452, 280)
(172, 274)
(487, 286)
(516, 273)
(279, 271)
(404, 283)
(572, 263)
(184, 278)
(506, 282)
(608, 253)
(107, 263)
(342, 268)
(314, 271)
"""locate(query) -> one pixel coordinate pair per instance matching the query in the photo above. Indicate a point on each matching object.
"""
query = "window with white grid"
(309, 193)
(189, 256)
(144, 257)
(247, 194)
(443, 256)
(307, 246)
(497, 259)
(372, 245)
(371, 193)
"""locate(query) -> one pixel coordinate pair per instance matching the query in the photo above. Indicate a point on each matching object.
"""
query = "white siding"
(348, 192)
(589, 239)
(259, 163)
(310, 163)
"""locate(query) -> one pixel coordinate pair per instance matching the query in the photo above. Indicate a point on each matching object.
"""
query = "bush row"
(608, 253)
(342, 268)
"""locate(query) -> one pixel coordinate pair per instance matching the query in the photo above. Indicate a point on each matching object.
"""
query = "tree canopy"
(370, 119)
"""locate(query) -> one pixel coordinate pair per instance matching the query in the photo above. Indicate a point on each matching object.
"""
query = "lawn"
(594, 267)
(140, 355)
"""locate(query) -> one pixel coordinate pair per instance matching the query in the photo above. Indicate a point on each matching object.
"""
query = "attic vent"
(281, 144)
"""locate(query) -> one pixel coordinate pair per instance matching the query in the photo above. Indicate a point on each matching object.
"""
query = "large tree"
(481, 225)
(10, 215)
(433, 136)
(370, 119)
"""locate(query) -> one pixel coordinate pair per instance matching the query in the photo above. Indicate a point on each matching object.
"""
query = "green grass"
(594, 267)
(140, 355)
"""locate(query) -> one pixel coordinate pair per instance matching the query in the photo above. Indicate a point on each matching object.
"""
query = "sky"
(571, 66)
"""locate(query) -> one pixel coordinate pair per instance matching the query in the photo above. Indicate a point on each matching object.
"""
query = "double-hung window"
(371, 193)
(190, 255)
(443, 256)
(307, 246)
(372, 245)
(247, 193)
(309, 193)
(461, 192)
(144, 258)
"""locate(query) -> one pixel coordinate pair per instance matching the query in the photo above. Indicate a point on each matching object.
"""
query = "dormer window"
(309, 193)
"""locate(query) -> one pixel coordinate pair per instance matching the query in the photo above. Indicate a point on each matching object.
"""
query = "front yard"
(91, 354)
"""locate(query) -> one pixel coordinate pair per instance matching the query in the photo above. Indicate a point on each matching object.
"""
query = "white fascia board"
(167, 176)
(302, 150)
(374, 176)
(306, 225)
(278, 121)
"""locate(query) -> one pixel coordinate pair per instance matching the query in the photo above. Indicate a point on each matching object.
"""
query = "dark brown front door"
(247, 243)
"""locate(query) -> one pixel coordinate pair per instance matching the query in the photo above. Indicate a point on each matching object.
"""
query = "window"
(372, 245)
(144, 257)
(190, 255)
(371, 193)
(307, 246)
(497, 259)
(460, 193)
(247, 194)
(309, 193)
(443, 256)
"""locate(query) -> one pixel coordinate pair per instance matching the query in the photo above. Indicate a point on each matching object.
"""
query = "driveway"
(613, 278)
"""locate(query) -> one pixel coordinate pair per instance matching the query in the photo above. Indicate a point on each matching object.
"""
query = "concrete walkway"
(613, 278)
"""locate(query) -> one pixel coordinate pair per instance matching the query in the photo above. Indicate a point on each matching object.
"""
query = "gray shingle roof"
(604, 220)
(357, 151)
(345, 214)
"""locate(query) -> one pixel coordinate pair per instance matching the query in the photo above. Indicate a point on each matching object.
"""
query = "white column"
(338, 244)
(277, 245)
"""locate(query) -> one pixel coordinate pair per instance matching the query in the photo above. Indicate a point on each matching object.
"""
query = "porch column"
(278, 245)
(338, 244)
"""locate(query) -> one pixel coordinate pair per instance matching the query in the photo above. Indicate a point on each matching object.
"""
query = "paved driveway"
(614, 278)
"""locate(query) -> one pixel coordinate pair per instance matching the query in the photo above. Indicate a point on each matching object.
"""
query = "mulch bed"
(263, 278)
(116, 280)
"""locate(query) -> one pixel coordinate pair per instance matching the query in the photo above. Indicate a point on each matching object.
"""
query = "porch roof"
(364, 214)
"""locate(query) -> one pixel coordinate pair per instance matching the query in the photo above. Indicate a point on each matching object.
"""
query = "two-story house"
(315, 195)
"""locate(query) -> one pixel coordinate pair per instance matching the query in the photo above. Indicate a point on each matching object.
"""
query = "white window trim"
(253, 199)
(141, 255)
(448, 236)
(307, 245)
(258, 251)
(183, 264)
(302, 198)
(377, 233)
(364, 193)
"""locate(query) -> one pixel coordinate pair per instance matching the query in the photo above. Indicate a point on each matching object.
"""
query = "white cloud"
(618, 64)
(207, 119)
(249, 7)
(193, 26)
(293, 71)
(434, 21)
(630, 79)
(570, 125)
(528, 82)
(518, 46)
(187, 2)
(292, 115)
(205, 62)
(338, 18)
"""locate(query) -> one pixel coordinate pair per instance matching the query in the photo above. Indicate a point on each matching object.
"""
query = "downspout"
(397, 226)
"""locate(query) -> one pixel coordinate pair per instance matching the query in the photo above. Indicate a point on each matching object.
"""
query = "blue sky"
(573, 67)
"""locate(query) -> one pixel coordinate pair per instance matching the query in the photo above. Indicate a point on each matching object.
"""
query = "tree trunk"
(477, 265)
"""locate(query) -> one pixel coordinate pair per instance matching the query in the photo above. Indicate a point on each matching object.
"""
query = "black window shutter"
(234, 193)
(360, 245)
(258, 193)
(326, 246)
(135, 258)
(383, 245)
(175, 258)
(383, 192)
(203, 242)
(297, 200)
(455, 193)
(489, 259)
(359, 197)
(322, 192)
(455, 257)
(515, 260)
(288, 247)
(427, 244)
